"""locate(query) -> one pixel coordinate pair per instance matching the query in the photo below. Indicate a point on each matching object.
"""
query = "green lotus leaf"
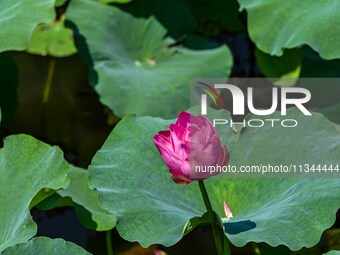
(43, 246)
(138, 72)
(18, 20)
(27, 167)
(83, 199)
(151, 208)
(274, 25)
(81, 194)
(52, 39)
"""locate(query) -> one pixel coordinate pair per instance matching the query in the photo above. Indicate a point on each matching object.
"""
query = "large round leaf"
(18, 20)
(138, 72)
(332, 253)
(43, 246)
(275, 24)
(81, 194)
(134, 183)
(27, 166)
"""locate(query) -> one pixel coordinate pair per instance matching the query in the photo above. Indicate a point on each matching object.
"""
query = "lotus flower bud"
(191, 143)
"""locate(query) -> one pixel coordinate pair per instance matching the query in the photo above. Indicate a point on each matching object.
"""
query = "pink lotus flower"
(191, 143)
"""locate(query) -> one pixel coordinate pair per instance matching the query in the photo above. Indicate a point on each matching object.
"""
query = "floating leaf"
(81, 194)
(83, 199)
(27, 167)
(138, 72)
(52, 39)
(274, 25)
(153, 209)
(19, 18)
(43, 246)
